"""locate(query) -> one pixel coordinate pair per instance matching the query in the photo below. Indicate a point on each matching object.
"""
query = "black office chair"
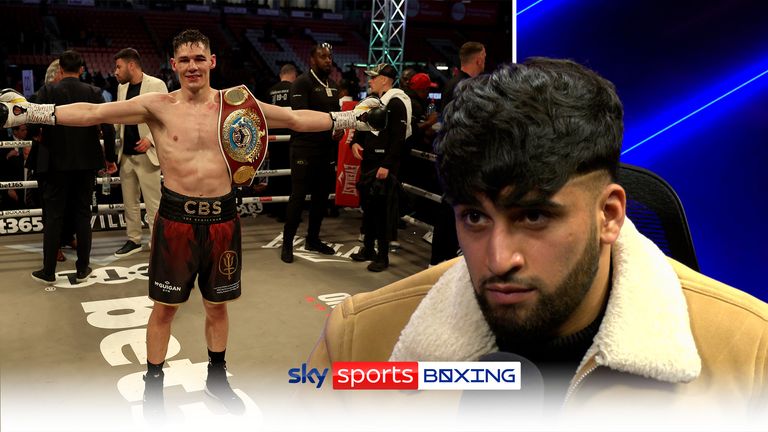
(656, 210)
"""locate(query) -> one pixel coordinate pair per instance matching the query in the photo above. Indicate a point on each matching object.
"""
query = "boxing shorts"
(243, 134)
(195, 238)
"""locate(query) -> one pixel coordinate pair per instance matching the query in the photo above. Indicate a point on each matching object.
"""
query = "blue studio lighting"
(533, 11)
(693, 77)
(696, 111)
(529, 6)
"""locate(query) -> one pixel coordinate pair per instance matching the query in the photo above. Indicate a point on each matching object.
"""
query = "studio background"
(669, 59)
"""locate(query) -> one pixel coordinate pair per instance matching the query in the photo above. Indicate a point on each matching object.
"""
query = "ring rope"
(28, 143)
(112, 208)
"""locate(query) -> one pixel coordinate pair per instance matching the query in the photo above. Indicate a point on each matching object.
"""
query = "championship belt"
(242, 134)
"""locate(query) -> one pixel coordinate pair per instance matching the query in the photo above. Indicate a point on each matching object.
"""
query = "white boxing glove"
(367, 104)
(15, 110)
(369, 114)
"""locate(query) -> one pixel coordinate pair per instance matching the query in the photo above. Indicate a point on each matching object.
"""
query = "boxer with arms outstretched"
(197, 229)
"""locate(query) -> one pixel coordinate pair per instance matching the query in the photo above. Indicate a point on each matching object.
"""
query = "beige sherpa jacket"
(670, 338)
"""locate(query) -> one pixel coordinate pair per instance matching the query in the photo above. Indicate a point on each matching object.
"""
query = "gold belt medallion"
(243, 134)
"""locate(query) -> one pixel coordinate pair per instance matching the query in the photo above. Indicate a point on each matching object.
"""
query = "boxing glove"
(15, 110)
(369, 114)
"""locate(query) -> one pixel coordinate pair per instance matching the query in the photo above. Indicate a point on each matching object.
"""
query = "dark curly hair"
(532, 126)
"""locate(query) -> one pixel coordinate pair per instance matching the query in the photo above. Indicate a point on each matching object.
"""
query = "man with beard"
(312, 154)
(139, 166)
(554, 271)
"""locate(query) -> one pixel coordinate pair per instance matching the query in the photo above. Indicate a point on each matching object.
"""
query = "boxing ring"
(114, 208)
(75, 351)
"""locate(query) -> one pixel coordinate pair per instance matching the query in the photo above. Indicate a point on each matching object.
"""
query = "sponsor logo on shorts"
(228, 264)
(167, 286)
(202, 208)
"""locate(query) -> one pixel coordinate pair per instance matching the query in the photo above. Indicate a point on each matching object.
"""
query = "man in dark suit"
(69, 158)
(52, 76)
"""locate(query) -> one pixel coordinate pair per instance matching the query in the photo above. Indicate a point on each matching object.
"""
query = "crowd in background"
(426, 104)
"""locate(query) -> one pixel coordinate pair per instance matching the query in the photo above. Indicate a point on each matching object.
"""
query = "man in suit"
(139, 166)
(52, 76)
(69, 157)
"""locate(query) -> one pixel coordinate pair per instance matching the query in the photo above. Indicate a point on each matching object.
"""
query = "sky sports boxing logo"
(413, 376)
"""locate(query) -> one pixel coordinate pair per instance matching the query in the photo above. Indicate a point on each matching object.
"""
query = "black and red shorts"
(195, 238)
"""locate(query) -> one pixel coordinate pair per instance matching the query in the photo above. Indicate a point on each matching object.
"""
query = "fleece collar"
(645, 330)
(399, 94)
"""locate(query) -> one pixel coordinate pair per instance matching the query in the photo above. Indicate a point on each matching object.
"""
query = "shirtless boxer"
(197, 229)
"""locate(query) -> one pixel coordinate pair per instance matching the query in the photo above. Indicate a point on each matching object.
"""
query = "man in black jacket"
(278, 157)
(69, 158)
(381, 153)
(311, 154)
(472, 58)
